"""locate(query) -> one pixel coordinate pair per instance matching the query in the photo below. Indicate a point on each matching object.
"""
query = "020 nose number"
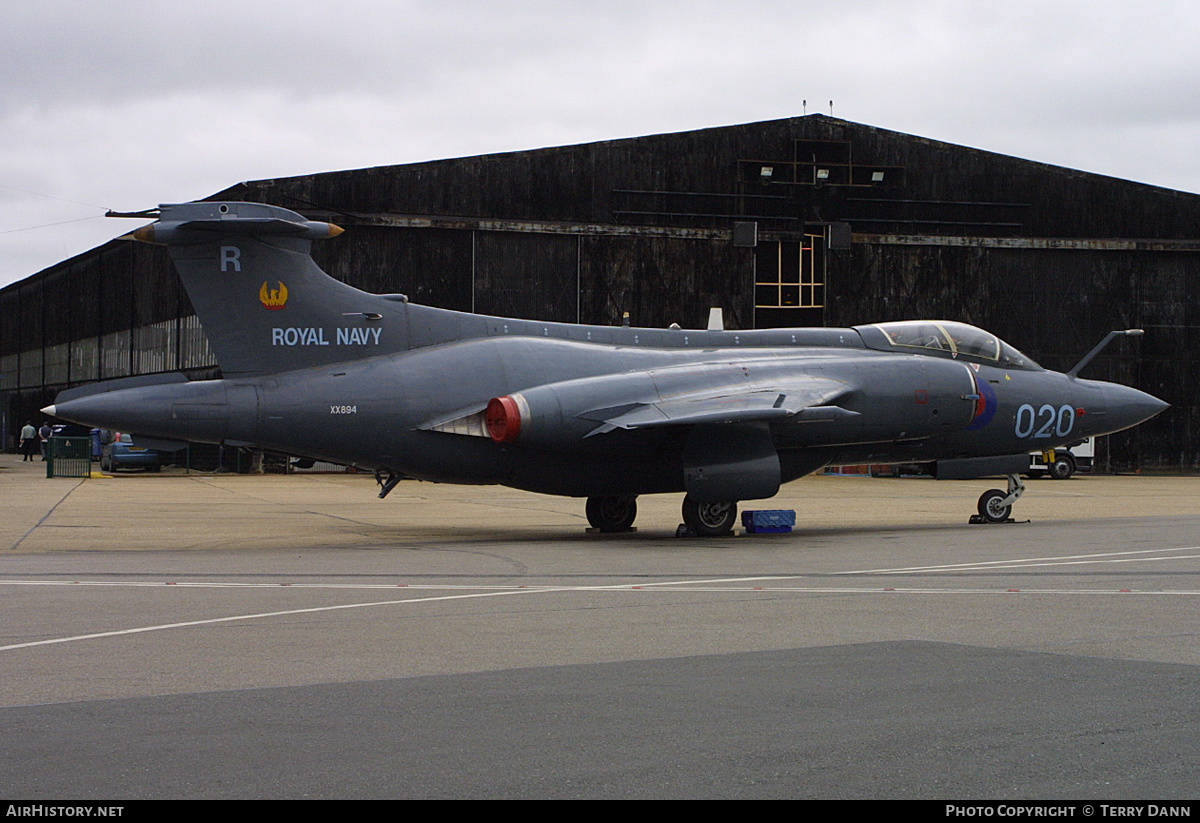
(1045, 422)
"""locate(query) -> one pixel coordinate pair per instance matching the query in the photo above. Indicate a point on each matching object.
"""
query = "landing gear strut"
(612, 514)
(387, 480)
(709, 519)
(995, 506)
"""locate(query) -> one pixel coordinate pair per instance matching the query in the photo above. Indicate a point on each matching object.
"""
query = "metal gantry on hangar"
(805, 221)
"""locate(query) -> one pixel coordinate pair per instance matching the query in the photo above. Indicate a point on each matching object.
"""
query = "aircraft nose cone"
(1128, 407)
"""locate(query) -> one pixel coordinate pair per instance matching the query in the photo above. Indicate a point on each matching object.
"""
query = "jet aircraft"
(315, 368)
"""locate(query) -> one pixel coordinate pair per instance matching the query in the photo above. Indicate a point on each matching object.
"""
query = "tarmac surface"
(218, 636)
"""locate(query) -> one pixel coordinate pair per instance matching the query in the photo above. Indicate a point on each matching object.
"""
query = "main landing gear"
(709, 519)
(995, 506)
(612, 514)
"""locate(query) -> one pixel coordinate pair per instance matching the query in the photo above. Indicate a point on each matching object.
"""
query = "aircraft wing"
(807, 399)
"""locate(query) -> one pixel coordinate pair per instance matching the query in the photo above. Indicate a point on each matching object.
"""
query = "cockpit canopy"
(945, 338)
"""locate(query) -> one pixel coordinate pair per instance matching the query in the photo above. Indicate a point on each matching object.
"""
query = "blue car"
(121, 453)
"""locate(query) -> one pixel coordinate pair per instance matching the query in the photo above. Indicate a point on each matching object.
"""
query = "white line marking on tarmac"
(478, 591)
(1063, 560)
(232, 618)
(491, 592)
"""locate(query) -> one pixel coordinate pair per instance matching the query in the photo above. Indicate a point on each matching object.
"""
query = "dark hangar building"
(805, 221)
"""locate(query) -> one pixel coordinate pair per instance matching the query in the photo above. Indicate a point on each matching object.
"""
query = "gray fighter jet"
(316, 368)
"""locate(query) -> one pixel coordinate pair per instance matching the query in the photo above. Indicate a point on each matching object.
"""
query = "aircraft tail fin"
(264, 303)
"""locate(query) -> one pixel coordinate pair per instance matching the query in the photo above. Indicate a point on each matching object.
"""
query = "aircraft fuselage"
(316, 368)
(387, 411)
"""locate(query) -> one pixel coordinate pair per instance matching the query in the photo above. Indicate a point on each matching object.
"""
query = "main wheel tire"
(990, 508)
(710, 519)
(1062, 468)
(612, 514)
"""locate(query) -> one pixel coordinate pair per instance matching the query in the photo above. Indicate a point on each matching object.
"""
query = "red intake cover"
(503, 419)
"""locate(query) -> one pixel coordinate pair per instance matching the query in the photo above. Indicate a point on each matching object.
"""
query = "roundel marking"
(985, 406)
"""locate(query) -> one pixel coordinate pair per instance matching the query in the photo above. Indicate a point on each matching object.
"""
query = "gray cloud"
(127, 104)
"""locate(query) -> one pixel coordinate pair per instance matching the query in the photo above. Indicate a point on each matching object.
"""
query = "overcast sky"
(126, 105)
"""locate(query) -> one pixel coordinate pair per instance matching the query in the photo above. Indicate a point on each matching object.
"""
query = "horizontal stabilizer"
(189, 223)
(264, 226)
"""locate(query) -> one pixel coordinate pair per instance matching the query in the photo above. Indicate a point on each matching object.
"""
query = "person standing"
(44, 435)
(29, 440)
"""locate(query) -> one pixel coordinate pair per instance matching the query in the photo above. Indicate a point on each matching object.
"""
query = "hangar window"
(194, 351)
(790, 275)
(30, 368)
(154, 347)
(56, 363)
(114, 354)
(85, 359)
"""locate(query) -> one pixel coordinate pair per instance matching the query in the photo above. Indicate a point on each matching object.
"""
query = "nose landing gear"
(995, 506)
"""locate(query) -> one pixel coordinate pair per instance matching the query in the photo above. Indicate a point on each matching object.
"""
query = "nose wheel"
(995, 506)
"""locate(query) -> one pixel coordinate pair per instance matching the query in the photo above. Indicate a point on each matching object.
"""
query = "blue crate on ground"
(771, 521)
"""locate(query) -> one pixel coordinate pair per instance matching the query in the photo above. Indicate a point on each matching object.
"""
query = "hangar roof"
(777, 173)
